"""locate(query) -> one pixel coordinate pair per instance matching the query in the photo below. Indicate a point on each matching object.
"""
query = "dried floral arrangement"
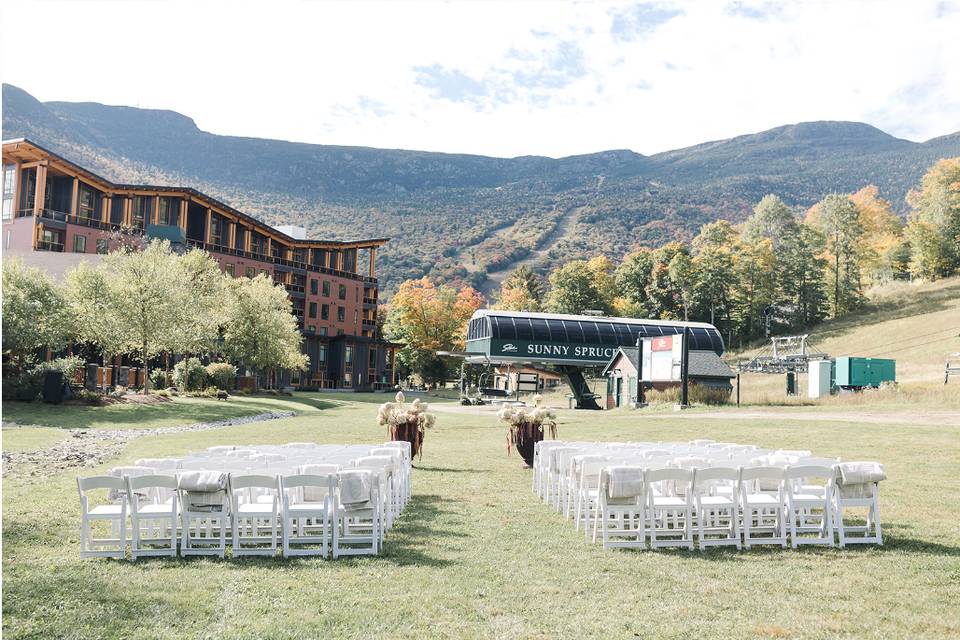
(406, 421)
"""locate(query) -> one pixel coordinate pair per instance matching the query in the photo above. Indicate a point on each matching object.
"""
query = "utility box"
(818, 378)
(856, 373)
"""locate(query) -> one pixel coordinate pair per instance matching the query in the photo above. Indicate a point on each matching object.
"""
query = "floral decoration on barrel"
(406, 422)
(526, 427)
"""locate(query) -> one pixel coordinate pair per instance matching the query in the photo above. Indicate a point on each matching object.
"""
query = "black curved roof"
(572, 329)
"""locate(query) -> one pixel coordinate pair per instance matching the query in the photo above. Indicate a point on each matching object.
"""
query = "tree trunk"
(146, 371)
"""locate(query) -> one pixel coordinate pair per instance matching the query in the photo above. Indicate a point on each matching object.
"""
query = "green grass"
(476, 555)
(31, 438)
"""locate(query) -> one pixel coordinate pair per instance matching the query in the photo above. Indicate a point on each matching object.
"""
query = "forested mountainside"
(458, 216)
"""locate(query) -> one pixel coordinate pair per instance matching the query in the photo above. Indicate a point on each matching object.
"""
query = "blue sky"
(500, 78)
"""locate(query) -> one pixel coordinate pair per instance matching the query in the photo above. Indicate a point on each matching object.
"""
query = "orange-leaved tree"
(427, 318)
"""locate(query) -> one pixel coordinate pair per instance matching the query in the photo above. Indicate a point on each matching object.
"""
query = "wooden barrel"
(411, 432)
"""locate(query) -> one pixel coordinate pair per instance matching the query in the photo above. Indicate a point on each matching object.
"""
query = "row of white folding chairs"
(741, 507)
(391, 463)
(551, 458)
(266, 459)
(304, 509)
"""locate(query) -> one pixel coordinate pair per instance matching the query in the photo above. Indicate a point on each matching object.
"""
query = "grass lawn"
(476, 555)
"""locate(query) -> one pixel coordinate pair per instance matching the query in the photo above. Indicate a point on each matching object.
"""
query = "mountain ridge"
(497, 210)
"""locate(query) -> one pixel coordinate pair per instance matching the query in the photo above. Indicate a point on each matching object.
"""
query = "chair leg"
(793, 515)
(876, 518)
(135, 537)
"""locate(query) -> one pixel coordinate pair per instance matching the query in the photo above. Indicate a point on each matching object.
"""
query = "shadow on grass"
(414, 532)
(892, 543)
(143, 415)
(448, 470)
(405, 544)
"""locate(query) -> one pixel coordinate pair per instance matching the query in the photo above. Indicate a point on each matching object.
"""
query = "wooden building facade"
(57, 214)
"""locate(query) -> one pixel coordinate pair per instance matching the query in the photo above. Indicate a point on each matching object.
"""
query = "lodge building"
(57, 214)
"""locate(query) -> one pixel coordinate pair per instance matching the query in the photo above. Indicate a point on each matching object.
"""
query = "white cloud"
(507, 78)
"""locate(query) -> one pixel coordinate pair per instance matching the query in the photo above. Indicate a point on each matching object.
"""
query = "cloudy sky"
(505, 79)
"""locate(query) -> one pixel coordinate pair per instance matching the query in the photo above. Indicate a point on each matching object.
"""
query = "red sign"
(662, 344)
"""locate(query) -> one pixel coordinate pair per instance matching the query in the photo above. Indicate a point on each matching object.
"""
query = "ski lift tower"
(783, 354)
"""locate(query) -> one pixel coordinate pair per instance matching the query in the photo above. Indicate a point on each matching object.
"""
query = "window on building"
(86, 202)
(341, 314)
(373, 358)
(354, 316)
(103, 246)
(52, 240)
(339, 332)
(251, 272)
(323, 331)
(322, 353)
(312, 328)
(298, 255)
(216, 229)
(348, 379)
(79, 244)
(264, 272)
(342, 292)
(325, 312)
(313, 309)
(229, 270)
(9, 188)
(140, 211)
(313, 287)
(169, 211)
(348, 356)
(326, 288)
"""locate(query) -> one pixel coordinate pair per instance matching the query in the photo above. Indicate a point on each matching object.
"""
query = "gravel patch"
(90, 447)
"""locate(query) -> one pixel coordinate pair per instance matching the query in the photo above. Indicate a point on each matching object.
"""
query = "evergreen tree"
(522, 290)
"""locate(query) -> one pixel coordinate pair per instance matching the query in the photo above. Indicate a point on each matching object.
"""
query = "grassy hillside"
(916, 324)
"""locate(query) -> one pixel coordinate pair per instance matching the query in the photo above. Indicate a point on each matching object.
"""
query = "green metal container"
(850, 372)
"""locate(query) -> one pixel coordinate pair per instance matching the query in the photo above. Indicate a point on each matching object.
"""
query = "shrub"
(69, 366)
(159, 379)
(28, 385)
(193, 371)
(222, 374)
(698, 394)
(86, 396)
(163, 393)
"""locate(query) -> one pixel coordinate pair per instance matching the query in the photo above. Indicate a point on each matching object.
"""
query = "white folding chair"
(309, 504)
(154, 523)
(384, 468)
(669, 509)
(587, 493)
(717, 511)
(114, 513)
(204, 513)
(399, 475)
(809, 511)
(619, 515)
(407, 449)
(857, 485)
(254, 520)
(359, 511)
(761, 507)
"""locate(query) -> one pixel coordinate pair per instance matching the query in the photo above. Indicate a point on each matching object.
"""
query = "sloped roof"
(703, 364)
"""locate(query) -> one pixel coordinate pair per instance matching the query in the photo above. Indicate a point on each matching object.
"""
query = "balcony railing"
(50, 246)
(212, 248)
(51, 214)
